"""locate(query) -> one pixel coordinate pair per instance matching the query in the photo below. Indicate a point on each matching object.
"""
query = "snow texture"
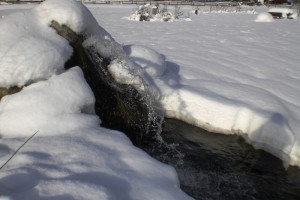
(71, 156)
(150, 60)
(264, 17)
(225, 73)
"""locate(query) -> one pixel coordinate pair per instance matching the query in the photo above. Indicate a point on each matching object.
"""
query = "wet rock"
(121, 107)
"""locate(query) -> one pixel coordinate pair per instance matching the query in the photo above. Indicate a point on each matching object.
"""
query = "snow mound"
(20, 65)
(61, 104)
(264, 17)
(72, 14)
(150, 60)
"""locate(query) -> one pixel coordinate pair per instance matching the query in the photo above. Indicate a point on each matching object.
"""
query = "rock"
(119, 106)
(7, 91)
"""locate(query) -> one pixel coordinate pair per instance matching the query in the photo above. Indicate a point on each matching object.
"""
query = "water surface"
(216, 166)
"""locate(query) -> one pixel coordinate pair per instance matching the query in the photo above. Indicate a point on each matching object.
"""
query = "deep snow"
(71, 156)
(225, 72)
(222, 71)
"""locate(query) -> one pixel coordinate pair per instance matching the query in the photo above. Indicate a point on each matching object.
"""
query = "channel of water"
(217, 166)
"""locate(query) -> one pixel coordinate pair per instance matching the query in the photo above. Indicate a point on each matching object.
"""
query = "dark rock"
(119, 106)
(7, 91)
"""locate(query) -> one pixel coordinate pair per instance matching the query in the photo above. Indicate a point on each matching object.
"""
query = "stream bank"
(217, 166)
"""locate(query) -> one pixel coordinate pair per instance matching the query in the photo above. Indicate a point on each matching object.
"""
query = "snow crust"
(71, 156)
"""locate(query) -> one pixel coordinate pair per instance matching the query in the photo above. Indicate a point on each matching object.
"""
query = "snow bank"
(51, 51)
(72, 14)
(265, 129)
(264, 17)
(147, 58)
(19, 65)
(71, 157)
(88, 163)
(284, 11)
(62, 103)
(232, 80)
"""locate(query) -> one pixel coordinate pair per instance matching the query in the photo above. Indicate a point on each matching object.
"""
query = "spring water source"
(216, 166)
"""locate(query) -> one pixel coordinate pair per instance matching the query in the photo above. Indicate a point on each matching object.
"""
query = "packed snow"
(220, 71)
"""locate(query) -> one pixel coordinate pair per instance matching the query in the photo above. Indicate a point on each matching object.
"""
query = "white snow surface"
(264, 17)
(71, 156)
(151, 61)
(222, 71)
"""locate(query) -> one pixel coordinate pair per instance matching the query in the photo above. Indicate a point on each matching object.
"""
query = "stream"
(215, 166)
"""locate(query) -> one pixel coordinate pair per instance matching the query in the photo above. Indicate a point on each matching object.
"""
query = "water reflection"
(215, 166)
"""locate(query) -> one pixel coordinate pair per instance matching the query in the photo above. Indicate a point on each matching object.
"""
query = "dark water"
(216, 166)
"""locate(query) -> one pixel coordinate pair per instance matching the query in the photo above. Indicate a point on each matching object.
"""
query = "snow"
(281, 10)
(224, 72)
(88, 163)
(264, 17)
(52, 50)
(42, 107)
(151, 61)
(287, 13)
(71, 156)
(220, 71)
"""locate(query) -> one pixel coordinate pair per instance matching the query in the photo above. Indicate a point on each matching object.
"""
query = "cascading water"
(210, 166)
(124, 107)
(216, 166)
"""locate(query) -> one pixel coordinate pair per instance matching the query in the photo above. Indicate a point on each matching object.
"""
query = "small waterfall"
(120, 106)
(210, 166)
(217, 166)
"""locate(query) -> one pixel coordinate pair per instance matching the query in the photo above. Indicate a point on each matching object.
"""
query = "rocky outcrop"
(121, 107)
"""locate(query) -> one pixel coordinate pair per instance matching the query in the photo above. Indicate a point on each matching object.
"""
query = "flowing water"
(216, 166)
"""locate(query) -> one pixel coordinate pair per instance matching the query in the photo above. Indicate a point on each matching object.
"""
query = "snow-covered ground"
(223, 71)
(71, 156)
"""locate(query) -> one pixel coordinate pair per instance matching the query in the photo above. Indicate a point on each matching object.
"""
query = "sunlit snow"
(225, 72)
(71, 156)
(220, 71)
